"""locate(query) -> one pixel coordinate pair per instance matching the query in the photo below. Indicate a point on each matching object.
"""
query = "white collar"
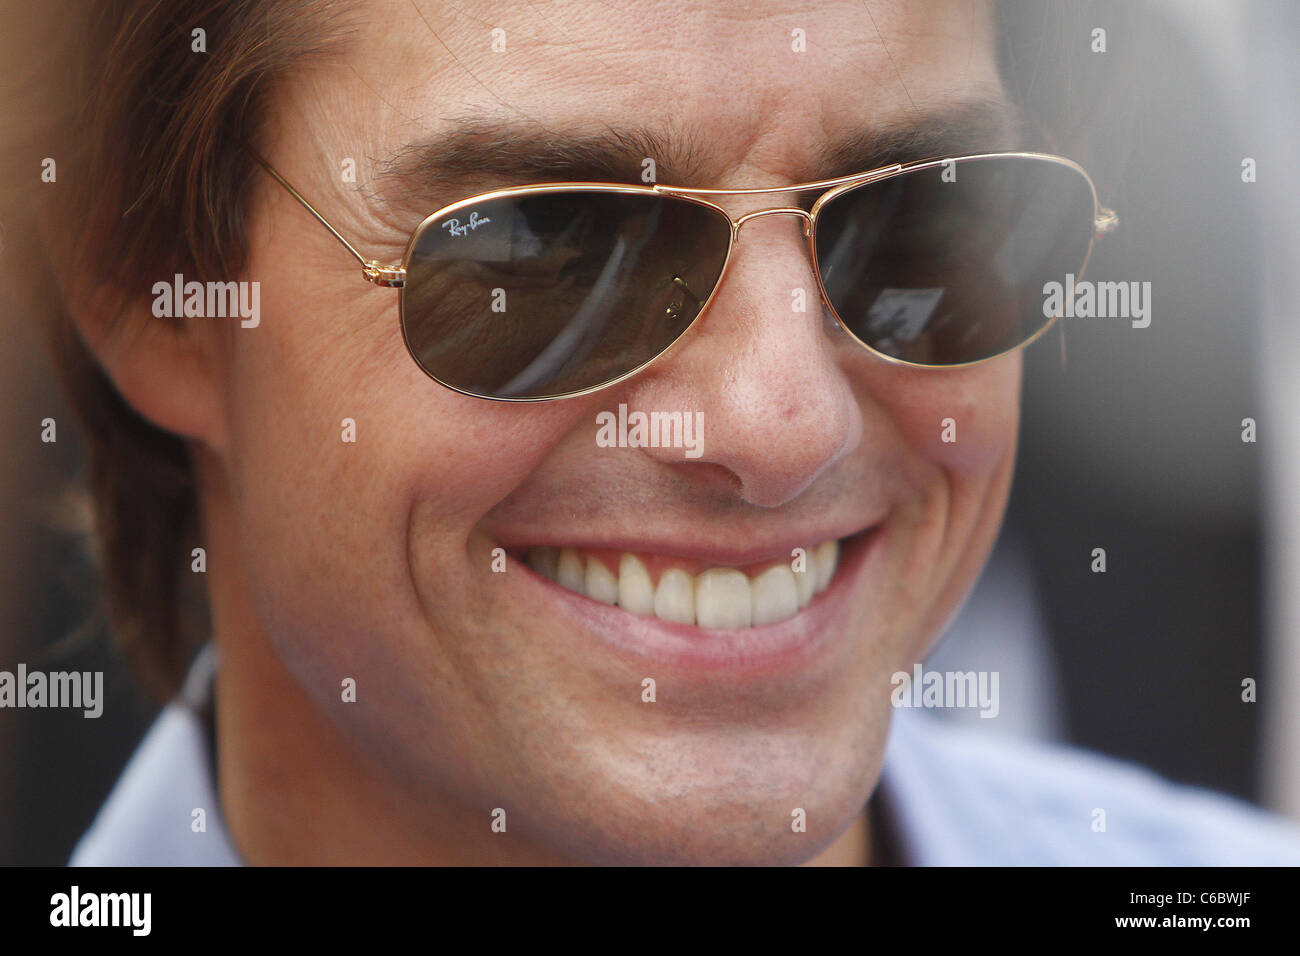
(951, 796)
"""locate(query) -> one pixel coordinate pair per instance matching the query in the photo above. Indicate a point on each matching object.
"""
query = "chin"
(703, 803)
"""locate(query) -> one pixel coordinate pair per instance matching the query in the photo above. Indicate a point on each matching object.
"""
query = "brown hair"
(146, 130)
(147, 133)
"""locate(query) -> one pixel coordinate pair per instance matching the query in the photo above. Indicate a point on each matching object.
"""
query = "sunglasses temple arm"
(388, 276)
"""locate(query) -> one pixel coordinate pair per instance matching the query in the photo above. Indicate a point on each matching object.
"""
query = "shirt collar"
(164, 809)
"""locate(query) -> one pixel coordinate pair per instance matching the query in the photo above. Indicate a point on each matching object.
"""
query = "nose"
(774, 211)
(777, 408)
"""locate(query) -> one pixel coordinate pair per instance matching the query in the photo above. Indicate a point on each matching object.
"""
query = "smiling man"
(449, 624)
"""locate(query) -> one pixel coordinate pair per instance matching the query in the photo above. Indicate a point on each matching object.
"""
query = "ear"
(170, 370)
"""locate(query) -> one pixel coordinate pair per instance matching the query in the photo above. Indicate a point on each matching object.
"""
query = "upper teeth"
(716, 597)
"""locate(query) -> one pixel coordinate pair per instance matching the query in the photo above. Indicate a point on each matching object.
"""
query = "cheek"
(346, 460)
(964, 421)
(330, 403)
(960, 486)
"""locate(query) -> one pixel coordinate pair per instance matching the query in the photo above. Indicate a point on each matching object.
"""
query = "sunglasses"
(542, 292)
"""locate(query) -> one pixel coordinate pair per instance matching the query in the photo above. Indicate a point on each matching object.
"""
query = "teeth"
(571, 574)
(675, 598)
(636, 592)
(716, 597)
(601, 585)
(722, 598)
(824, 558)
(773, 596)
(805, 581)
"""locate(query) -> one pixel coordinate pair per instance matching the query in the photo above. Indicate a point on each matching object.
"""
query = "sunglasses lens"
(542, 294)
(946, 265)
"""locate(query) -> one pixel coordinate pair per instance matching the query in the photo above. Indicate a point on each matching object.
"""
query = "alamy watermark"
(651, 430)
(923, 688)
(130, 910)
(75, 689)
(179, 299)
(1102, 300)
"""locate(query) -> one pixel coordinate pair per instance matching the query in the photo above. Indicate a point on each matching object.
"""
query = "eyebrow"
(477, 154)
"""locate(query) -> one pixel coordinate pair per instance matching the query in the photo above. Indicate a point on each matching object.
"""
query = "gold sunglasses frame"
(394, 276)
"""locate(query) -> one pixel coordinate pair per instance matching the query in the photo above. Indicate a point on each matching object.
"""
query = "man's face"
(374, 559)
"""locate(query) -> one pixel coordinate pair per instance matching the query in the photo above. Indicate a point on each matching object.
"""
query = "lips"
(807, 646)
(692, 592)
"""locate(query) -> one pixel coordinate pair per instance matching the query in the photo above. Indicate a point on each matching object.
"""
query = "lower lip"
(793, 644)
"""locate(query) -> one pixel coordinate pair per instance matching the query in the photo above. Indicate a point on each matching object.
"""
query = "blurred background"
(1131, 442)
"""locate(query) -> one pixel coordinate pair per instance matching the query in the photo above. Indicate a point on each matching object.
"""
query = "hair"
(147, 132)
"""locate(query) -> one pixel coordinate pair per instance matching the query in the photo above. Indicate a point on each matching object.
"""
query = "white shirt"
(952, 797)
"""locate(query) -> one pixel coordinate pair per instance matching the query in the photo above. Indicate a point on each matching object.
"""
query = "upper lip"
(708, 545)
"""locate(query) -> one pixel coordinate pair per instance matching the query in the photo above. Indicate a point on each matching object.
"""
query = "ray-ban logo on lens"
(456, 229)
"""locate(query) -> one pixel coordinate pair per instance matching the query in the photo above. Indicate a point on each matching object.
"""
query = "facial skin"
(372, 560)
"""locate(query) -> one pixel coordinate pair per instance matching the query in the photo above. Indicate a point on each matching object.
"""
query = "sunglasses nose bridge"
(774, 211)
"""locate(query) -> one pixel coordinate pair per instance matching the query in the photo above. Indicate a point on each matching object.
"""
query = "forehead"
(747, 89)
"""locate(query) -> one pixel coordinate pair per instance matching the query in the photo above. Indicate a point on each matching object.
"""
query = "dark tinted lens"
(941, 272)
(553, 292)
